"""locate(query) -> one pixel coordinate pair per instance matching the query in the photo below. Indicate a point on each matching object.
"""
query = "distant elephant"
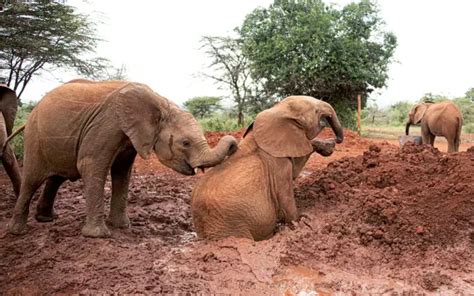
(85, 129)
(247, 194)
(8, 108)
(437, 119)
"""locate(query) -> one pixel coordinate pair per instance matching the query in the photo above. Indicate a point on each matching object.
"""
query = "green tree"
(45, 35)
(432, 98)
(470, 94)
(311, 48)
(398, 112)
(202, 106)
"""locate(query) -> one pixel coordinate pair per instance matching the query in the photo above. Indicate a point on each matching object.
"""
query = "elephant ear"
(9, 106)
(138, 113)
(280, 134)
(420, 112)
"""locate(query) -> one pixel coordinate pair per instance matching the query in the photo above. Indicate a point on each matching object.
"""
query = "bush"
(223, 122)
(469, 128)
(21, 116)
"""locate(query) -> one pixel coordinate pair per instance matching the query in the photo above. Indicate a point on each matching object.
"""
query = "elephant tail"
(457, 140)
(19, 130)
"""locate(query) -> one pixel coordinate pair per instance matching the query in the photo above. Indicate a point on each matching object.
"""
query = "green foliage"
(21, 117)
(398, 113)
(432, 98)
(308, 47)
(469, 128)
(202, 107)
(45, 35)
(470, 94)
(223, 121)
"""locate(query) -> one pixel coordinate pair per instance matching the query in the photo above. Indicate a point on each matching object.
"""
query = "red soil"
(376, 220)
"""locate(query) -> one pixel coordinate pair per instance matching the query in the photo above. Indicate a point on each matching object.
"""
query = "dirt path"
(375, 222)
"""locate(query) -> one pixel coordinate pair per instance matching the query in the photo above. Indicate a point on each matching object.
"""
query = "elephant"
(8, 108)
(84, 129)
(251, 191)
(442, 119)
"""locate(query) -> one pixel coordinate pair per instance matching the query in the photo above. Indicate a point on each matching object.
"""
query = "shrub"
(469, 128)
(223, 122)
(21, 117)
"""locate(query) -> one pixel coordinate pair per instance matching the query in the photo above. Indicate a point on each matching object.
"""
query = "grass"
(387, 132)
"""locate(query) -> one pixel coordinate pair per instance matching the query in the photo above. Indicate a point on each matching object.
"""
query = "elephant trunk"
(210, 157)
(407, 128)
(331, 117)
(336, 127)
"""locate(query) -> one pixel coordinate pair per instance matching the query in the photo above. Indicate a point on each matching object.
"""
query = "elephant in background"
(247, 194)
(84, 129)
(442, 119)
(8, 108)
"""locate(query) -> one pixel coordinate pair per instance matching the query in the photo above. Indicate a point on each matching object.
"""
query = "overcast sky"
(158, 42)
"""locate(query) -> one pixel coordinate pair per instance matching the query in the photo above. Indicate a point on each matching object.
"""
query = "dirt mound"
(406, 209)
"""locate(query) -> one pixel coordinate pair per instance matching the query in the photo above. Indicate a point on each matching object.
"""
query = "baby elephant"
(247, 194)
(85, 129)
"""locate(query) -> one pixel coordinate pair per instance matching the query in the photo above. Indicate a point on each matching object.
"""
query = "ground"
(376, 220)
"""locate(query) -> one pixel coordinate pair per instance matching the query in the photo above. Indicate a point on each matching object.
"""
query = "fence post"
(359, 106)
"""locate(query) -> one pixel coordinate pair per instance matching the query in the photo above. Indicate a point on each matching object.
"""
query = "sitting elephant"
(246, 195)
(8, 107)
(85, 129)
(437, 119)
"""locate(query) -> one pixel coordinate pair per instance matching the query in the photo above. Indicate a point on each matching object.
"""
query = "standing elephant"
(437, 119)
(85, 129)
(8, 108)
(252, 190)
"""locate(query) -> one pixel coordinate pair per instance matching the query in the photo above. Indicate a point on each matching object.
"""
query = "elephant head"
(286, 130)
(416, 115)
(8, 108)
(151, 122)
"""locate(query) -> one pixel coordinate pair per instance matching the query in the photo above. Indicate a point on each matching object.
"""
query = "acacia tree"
(310, 48)
(202, 106)
(230, 69)
(46, 35)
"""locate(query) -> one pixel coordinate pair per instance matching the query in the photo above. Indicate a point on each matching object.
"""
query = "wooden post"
(359, 106)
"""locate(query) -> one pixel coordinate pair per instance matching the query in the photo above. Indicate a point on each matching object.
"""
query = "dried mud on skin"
(390, 221)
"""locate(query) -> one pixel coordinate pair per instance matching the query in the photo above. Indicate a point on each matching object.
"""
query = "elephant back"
(8, 106)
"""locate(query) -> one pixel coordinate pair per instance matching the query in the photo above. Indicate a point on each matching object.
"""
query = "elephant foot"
(119, 221)
(17, 227)
(43, 216)
(94, 230)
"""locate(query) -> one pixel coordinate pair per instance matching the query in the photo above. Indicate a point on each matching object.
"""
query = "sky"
(158, 43)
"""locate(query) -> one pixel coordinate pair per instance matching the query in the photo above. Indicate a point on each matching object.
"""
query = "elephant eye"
(186, 143)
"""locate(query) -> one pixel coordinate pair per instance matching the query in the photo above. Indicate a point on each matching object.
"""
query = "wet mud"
(376, 220)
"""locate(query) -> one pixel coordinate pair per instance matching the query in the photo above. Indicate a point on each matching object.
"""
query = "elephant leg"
(31, 183)
(44, 209)
(94, 193)
(12, 169)
(120, 171)
(432, 139)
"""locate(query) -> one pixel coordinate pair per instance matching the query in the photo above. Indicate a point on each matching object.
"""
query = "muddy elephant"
(85, 129)
(442, 119)
(8, 108)
(250, 192)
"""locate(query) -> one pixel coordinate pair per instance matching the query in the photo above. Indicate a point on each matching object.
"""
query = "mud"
(375, 220)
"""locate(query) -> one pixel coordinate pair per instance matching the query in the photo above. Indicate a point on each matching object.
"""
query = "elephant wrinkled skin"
(8, 108)
(84, 129)
(442, 119)
(247, 194)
